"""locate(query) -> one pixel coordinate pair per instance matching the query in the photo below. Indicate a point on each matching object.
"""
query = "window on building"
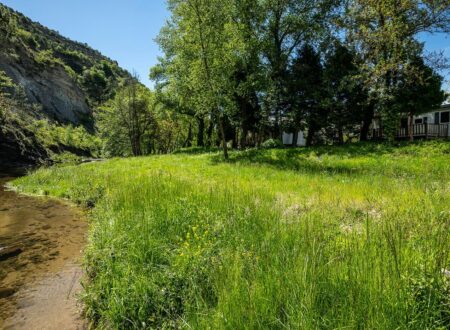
(445, 117)
(436, 117)
(418, 121)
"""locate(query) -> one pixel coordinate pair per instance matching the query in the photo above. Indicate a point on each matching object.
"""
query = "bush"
(28, 38)
(272, 143)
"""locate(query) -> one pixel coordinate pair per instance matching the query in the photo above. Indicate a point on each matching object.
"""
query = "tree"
(200, 48)
(345, 94)
(419, 96)
(8, 25)
(249, 72)
(384, 34)
(307, 92)
(283, 27)
(127, 119)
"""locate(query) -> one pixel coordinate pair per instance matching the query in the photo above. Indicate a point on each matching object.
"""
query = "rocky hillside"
(61, 80)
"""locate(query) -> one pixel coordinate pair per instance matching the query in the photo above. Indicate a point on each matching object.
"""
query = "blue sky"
(124, 30)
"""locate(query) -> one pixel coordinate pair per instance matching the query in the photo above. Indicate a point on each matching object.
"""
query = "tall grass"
(351, 237)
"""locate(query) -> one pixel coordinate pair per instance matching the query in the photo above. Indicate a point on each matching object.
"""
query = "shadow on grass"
(286, 159)
(350, 159)
(196, 150)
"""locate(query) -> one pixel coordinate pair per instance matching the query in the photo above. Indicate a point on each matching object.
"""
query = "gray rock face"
(50, 86)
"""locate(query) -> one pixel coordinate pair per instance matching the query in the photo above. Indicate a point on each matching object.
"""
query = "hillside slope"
(63, 81)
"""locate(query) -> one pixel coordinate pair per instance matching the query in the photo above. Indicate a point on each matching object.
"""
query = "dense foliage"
(254, 69)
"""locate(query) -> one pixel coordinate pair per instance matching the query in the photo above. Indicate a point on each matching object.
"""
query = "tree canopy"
(255, 69)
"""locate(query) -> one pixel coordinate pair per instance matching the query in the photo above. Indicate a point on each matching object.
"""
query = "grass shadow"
(349, 159)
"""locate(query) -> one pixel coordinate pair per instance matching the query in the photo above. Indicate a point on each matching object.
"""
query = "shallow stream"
(40, 247)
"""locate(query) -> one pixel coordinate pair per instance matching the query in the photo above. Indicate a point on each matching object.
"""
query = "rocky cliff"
(49, 86)
(63, 81)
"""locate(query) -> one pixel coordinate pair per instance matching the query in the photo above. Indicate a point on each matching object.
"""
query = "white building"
(288, 137)
(427, 125)
(442, 116)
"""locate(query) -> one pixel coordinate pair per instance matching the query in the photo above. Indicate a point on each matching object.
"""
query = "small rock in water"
(46, 227)
(6, 292)
(9, 252)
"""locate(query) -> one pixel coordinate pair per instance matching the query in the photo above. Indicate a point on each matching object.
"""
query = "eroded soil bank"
(40, 247)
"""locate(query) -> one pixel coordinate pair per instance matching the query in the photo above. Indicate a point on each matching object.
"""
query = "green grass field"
(354, 237)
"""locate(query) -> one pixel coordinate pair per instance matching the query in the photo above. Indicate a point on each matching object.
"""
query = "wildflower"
(373, 213)
(351, 228)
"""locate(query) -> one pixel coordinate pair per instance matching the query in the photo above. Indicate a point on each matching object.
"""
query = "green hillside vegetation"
(315, 238)
(24, 126)
(98, 75)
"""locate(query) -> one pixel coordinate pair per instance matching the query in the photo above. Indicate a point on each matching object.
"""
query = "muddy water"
(40, 246)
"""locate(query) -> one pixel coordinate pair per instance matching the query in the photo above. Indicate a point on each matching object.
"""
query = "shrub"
(272, 143)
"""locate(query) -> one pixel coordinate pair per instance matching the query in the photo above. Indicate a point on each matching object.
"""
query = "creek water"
(40, 248)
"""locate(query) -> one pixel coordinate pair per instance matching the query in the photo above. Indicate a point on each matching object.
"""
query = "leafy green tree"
(249, 73)
(384, 33)
(419, 96)
(345, 94)
(307, 92)
(125, 121)
(95, 83)
(283, 27)
(200, 48)
(8, 25)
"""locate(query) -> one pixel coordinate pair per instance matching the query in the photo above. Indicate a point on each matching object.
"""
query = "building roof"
(445, 106)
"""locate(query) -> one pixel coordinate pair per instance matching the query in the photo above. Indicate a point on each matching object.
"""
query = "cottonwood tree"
(176, 96)
(249, 76)
(200, 49)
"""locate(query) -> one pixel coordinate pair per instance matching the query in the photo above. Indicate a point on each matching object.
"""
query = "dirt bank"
(40, 247)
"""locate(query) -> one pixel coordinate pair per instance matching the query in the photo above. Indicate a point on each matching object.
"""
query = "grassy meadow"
(354, 237)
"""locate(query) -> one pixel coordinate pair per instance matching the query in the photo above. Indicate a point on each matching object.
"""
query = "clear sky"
(124, 30)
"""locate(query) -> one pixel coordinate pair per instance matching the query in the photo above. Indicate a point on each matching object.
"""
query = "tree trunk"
(295, 138)
(367, 121)
(411, 127)
(210, 133)
(235, 139)
(188, 142)
(243, 140)
(136, 145)
(310, 137)
(224, 141)
(364, 135)
(201, 132)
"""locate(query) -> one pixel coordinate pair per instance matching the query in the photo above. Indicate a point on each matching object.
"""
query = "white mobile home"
(428, 125)
(433, 124)
(289, 137)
